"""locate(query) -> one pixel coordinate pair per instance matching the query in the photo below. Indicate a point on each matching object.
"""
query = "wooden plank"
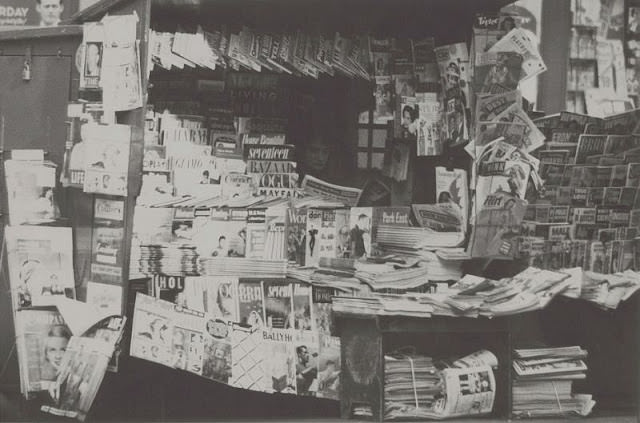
(35, 33)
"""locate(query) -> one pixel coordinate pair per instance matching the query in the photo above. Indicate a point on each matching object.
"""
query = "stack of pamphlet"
(233, 266)
(416, 387)
(169, 259)
(544, 379)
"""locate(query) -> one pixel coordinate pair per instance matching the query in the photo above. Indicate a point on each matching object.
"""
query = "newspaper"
(346, 195)
(40, 262)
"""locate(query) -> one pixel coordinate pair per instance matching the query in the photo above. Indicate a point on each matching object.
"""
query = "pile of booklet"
(543, 382)
(418, 387)
(168, 259)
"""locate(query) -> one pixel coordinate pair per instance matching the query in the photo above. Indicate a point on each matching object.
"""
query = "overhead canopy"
(446, 20)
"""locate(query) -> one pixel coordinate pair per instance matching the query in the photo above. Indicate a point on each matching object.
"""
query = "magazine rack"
(366, 340)
(159, 391)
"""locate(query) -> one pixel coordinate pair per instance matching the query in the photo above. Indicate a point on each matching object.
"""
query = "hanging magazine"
(106, 158)
(40, 264)
(30, 192)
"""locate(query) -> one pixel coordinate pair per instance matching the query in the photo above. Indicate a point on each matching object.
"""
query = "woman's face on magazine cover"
(56, 346)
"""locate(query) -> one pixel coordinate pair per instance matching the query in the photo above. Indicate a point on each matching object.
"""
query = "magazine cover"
(31, 192)
(497, 225)
(329, 366)
(428, 124)
(214, 295)
(452, 188)
(105, 296)
(453, 62)
(223, 235)
(151, 331)
(194, 170)
(497, 71)
(40, 262)
(91, 55)
(81, 374)
(278, 307)
(107, 159)
(384, 96)
(589, 145)
(406, 125)
(217, 362)
(250, 302)
(296, 230)
(42, 338)
(249, 360)
(306, 349)
(281, 365)
(107, 241)
(321, 310)
(360, 234)
(301, 306)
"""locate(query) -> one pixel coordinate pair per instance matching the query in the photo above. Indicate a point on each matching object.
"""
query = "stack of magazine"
(418, 388)
(169, 259)
(543, 382)
(232, 266)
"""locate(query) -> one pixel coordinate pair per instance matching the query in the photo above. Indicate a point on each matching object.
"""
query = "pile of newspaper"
(168, 259)
(385, 276)
(544, 379)
(381, 305)
(242, 267)
(414, 387)
(607, 291)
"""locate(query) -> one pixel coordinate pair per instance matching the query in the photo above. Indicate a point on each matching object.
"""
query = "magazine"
(249, 360)
(81, 372)
(41, 339)
(329, 367)
(40, 262)
(251, 302)
(107, 241)
(107, 159)
(306, 349)
(278, 307)
(519, 42)
(452, 187)
(428, 124)
(281, 366)
(31, 192)
(217, 362)
(91, 53)
(346, 195)
(498, 70)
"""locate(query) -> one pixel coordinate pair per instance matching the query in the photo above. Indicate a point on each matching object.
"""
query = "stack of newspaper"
(382, 305)
(543, 382)
(607, 291)
(416, 238)
(168, 259)
(242, 267)
(415, 388)
(386, 277)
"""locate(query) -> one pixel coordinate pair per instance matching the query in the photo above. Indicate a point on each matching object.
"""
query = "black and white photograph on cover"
(55, 345)
(93, 60)
(306, 367)
(360, 235)
(217, 351)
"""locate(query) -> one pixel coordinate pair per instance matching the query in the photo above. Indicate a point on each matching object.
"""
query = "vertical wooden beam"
(556, 33)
